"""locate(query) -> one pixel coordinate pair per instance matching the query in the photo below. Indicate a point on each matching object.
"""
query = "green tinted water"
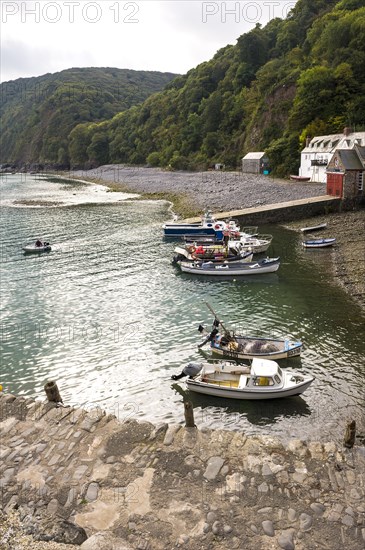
(108, 316)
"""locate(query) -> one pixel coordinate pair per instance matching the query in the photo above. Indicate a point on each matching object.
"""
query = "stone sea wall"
(85, 478)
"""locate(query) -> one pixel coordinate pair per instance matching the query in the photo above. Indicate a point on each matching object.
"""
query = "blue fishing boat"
(208, 227)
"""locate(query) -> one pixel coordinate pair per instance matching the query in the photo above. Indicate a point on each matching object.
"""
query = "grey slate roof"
(350, 159)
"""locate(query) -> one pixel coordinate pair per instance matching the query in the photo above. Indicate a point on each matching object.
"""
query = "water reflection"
(212, 411)
(107, 315)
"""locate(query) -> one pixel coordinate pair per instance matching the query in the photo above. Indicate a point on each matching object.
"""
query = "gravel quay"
(192, 192)
(195, 191)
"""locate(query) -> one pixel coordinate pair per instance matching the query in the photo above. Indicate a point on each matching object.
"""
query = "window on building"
(360, 181)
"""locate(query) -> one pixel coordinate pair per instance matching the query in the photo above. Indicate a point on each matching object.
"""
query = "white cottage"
(319, 150)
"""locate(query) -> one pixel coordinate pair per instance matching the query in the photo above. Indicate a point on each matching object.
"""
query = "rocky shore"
(348, 256)
(84, 478)
(192, 192)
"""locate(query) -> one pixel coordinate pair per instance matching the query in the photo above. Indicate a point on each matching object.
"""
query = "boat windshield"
(263, 381)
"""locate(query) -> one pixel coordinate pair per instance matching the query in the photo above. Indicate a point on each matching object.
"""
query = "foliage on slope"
(294, 77)
(38, 114)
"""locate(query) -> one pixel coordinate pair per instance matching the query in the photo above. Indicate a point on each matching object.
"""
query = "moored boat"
(217, 254)
(207, 227)
(268, 265)
(235, 345)
(247, 347)
(264, 379)
(258, 243)
(319, 243)
(314, 228)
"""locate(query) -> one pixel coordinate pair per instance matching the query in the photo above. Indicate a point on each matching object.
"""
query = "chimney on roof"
(347, 131)
(307, 141)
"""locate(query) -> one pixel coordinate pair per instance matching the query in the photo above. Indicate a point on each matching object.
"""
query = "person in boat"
(211, 335)
(38, 243)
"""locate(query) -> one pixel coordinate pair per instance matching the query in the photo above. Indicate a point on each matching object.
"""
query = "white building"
(317, 153)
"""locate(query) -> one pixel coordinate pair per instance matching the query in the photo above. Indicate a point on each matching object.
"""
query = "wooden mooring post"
(189, 414)
(52, 392)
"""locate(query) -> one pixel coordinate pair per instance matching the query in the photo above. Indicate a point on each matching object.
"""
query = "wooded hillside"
(295, 77)
(38, 114)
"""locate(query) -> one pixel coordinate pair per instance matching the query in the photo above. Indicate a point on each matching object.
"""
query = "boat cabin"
(265, 373)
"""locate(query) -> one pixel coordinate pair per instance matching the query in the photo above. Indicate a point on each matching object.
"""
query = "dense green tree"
(300, 76)
(37, 114)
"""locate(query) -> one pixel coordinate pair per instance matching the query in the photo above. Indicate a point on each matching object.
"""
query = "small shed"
(255, 163)
(346, 173)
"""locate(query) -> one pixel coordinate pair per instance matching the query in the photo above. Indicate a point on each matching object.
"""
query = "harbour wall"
(282, 212)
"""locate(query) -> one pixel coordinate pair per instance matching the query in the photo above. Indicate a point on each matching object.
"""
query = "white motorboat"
(268, 265)
(37, 247)
(264, 379)
(319, 243)
(257, 243)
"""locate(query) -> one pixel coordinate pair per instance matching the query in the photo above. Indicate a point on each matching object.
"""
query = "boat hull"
(293, 350)
(36, 249)
(246, 394)
(313, 228)
(319, 243)
(182, 230)
(236, 270)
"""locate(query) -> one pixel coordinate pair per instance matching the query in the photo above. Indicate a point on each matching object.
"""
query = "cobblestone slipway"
(83, 477)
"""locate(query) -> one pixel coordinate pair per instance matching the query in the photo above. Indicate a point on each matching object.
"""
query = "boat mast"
(216, 317)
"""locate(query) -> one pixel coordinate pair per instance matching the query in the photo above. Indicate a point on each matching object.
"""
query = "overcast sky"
(44, 36)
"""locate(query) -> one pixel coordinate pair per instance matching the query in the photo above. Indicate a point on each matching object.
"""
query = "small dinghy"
(37, 247)
(319, 243)
(268, 265)
(314, 228)
(264, 379)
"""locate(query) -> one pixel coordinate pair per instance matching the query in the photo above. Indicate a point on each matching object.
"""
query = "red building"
(346, 174)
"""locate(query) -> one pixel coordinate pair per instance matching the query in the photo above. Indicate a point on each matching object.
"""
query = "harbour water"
(108, 316)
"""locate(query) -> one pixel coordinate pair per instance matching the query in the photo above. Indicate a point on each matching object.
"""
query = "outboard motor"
(191, 370)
